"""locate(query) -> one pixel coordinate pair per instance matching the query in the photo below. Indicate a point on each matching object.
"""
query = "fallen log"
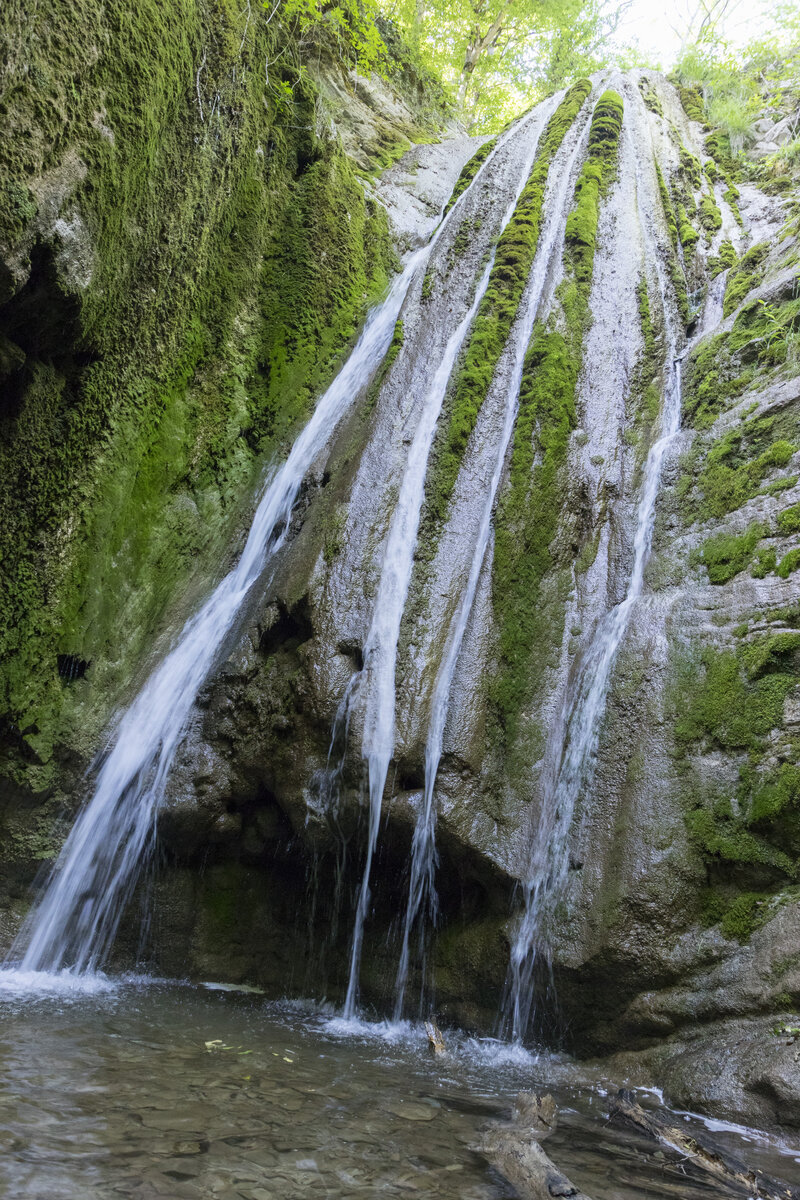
(513, 1149)
(699, 1152)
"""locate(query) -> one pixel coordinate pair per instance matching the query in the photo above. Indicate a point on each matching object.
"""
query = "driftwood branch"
(698, 1152)
(514, 1150)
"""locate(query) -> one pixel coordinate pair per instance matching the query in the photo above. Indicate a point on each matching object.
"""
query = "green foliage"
(498, 58)
(725, 554)
(348, 28)
(727, 86)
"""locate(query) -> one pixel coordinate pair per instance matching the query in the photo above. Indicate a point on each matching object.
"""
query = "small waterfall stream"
(380, 649)
(575, 735)
(422, 902)
(570, 767)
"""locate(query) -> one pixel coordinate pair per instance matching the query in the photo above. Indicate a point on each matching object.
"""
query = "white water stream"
(380, 649)
(573, 743)
(422, 903)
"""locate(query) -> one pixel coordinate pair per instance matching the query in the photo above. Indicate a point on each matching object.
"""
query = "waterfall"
(380, 650)
(422, 900)
(75, 921)
(573, 742)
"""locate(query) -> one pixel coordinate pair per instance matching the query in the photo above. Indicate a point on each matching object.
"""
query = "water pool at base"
(153, 1090)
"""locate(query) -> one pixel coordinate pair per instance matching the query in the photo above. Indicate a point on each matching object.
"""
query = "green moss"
(581, 231)
(743, 916)
(687, 233)
(747, 275)
(725, 555)
(765, 562)
(692, 101)
(710, 216)
(234, 256)
(669, 211)
(789, 563)
(469, 171)
(734, 470)
(650, 97)
(395, 345)
(691, 168)
(726, 258)
(725, 366)
(734, 700)
(530, 507)
(789, 520)
(711, 381)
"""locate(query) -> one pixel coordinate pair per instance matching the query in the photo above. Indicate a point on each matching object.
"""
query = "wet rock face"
(627, 248)
(679, 891)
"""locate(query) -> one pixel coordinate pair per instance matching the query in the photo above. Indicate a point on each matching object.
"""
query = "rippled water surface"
(155, 1090)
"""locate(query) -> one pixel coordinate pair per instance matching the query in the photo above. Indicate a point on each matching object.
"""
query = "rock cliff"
(182, 269)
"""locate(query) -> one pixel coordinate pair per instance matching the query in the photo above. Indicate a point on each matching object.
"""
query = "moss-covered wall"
(185, 255)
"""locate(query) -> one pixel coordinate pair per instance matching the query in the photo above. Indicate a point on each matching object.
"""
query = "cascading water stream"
(75, 921)
(422, 900)
(380, 649)
(573, 746)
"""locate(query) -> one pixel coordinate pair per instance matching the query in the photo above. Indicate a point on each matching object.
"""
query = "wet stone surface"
(152, 1090)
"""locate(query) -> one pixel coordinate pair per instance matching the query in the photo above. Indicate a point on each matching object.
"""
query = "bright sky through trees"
(657, 26)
